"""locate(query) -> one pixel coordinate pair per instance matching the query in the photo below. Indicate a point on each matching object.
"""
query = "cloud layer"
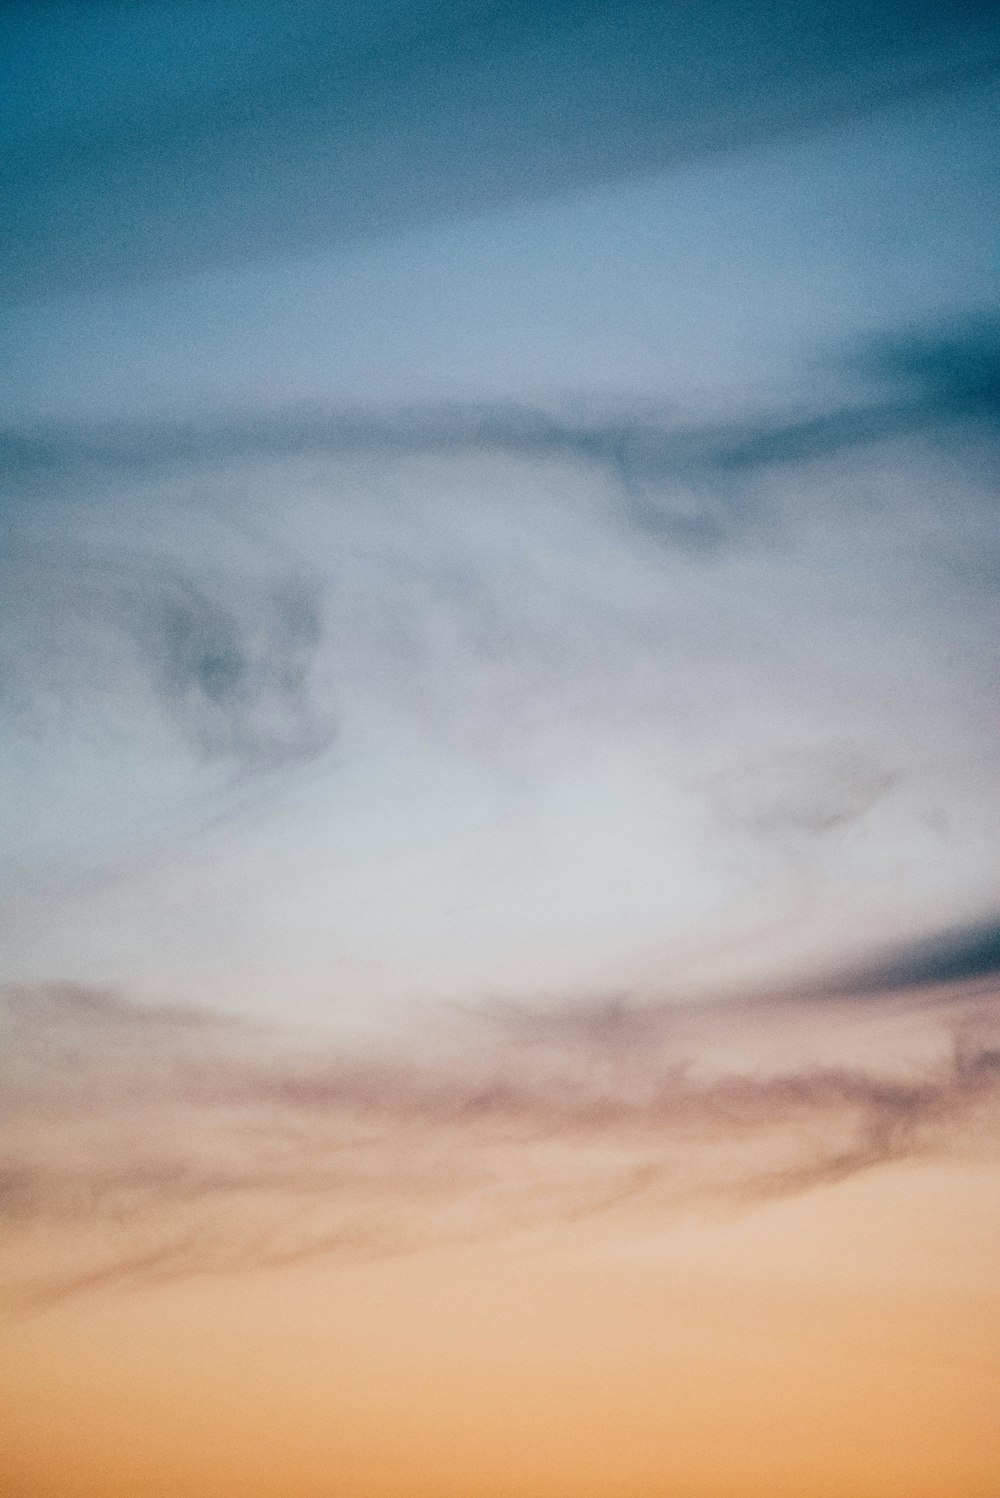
(458, 696)
(144, 1142)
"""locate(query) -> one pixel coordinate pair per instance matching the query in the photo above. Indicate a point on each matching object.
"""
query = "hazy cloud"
(810, 791)
(968, 952)
(572, 659)
(226, 661)
(145, 1142)
(678, 483)
(237, 680)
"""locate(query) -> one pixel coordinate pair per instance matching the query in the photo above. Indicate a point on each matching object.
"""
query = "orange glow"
(845, 1342)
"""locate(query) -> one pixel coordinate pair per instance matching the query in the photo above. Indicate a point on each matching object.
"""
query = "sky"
(499, 705)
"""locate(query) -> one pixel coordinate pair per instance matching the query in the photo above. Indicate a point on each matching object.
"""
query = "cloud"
(144, 1142)
(965, 953)
(918, 380)
(225, 662)
(805, 791)
(952, 370)
(237, 680)
(677, 483)
(766, 736)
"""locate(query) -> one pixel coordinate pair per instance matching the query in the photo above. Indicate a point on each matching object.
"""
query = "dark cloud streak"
(150, 1143)
(967, 953)
(684, 486)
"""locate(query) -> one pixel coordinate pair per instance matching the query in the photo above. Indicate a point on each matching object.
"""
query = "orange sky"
(846, 1341)
(721, 1251)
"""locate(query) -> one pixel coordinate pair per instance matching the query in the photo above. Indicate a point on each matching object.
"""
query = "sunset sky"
(500, 749)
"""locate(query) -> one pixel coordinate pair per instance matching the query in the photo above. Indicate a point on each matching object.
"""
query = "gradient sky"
(499, 706)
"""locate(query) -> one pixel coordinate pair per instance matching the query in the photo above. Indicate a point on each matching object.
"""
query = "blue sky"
(731, 279)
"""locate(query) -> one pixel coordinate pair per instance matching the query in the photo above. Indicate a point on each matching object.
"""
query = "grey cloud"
(238, 681)
(683, 485)
(144, 1143)
(967, 952)
(641, 454)
(229, 661)
(952, 369)
(366, 127)
(919, 379)
(898, 1122)
(810, 791)
(36, 1010)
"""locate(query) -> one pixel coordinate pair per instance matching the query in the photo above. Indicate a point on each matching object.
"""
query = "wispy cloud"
(235, 678)
(648, 677)
(225, 662)
(915, 382)
(145, 1142)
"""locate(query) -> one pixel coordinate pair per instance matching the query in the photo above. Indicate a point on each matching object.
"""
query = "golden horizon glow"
(840, 1342)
